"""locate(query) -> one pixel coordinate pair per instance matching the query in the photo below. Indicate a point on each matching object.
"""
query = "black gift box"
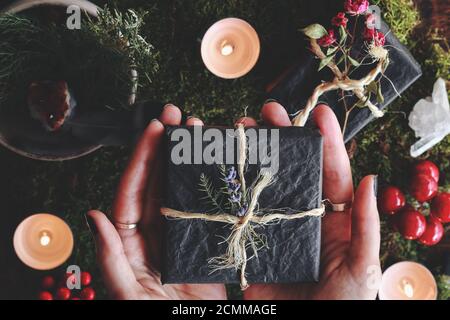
(293, 248)
(294, 89)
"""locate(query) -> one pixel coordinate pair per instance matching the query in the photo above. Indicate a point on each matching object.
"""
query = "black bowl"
(26, 136)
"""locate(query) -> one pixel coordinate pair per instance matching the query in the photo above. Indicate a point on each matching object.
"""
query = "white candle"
(43, 241)
(407, 280)
(230, 48)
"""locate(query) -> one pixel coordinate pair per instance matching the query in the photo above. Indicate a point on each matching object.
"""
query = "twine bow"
(243, 235)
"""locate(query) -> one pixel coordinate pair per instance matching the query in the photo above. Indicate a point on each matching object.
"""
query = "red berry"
(87, 294)
(85, 278)
(391, 200)
(45, 295)
(411, 224)
(433, 232)
(423, 187)
(440, 207)
(63, 294)
(48, 282)
(427, 167)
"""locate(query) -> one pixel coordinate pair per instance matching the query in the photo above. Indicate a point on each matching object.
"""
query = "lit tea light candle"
(45, 238)
(226, 48)
(43, 241)
(230, 48)
(407, 280)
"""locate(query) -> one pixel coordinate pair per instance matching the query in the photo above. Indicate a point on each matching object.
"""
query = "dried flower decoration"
(356, 7)
(337, 54)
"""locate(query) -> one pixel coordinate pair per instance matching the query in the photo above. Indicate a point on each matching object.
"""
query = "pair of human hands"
(130, 260)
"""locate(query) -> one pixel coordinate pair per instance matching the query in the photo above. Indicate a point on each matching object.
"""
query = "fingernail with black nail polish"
(91, 224)
(270, 100)
(375, 185)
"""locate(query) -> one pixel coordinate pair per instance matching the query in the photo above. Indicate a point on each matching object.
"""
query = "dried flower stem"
(339, 82)
(315, 48)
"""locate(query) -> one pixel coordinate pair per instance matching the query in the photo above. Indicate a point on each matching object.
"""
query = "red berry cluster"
(53, 289)
(410, 221)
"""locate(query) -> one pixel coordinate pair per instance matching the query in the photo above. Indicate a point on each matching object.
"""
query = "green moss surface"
(175, 29)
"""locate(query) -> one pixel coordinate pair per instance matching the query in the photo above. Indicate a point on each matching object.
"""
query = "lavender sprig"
(232, 173)
(233, 186)
(242, 211)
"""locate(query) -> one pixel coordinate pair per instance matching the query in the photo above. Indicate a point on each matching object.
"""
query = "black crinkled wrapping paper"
(297, 86)
(293, 246)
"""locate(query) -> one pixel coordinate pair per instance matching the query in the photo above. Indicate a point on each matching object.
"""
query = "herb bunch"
(119, 30)
(22, 47)
(96, 61)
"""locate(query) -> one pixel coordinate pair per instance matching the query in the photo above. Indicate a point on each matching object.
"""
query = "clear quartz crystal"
(430, 119)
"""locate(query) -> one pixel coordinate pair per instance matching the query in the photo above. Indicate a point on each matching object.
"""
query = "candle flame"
(408, 289)
(45, 239)
(226, 48)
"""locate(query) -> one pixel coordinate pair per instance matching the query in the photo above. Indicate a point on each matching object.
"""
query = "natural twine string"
(242, 152)
(243, 235)
(343, 82)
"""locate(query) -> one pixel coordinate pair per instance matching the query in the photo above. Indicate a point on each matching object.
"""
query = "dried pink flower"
(379, 39)
(355, 7)
(328, 39)
(339, 20)
(376, 36)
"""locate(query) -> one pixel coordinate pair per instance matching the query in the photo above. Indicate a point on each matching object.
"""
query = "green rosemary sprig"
(212, 197)
(123, 30)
